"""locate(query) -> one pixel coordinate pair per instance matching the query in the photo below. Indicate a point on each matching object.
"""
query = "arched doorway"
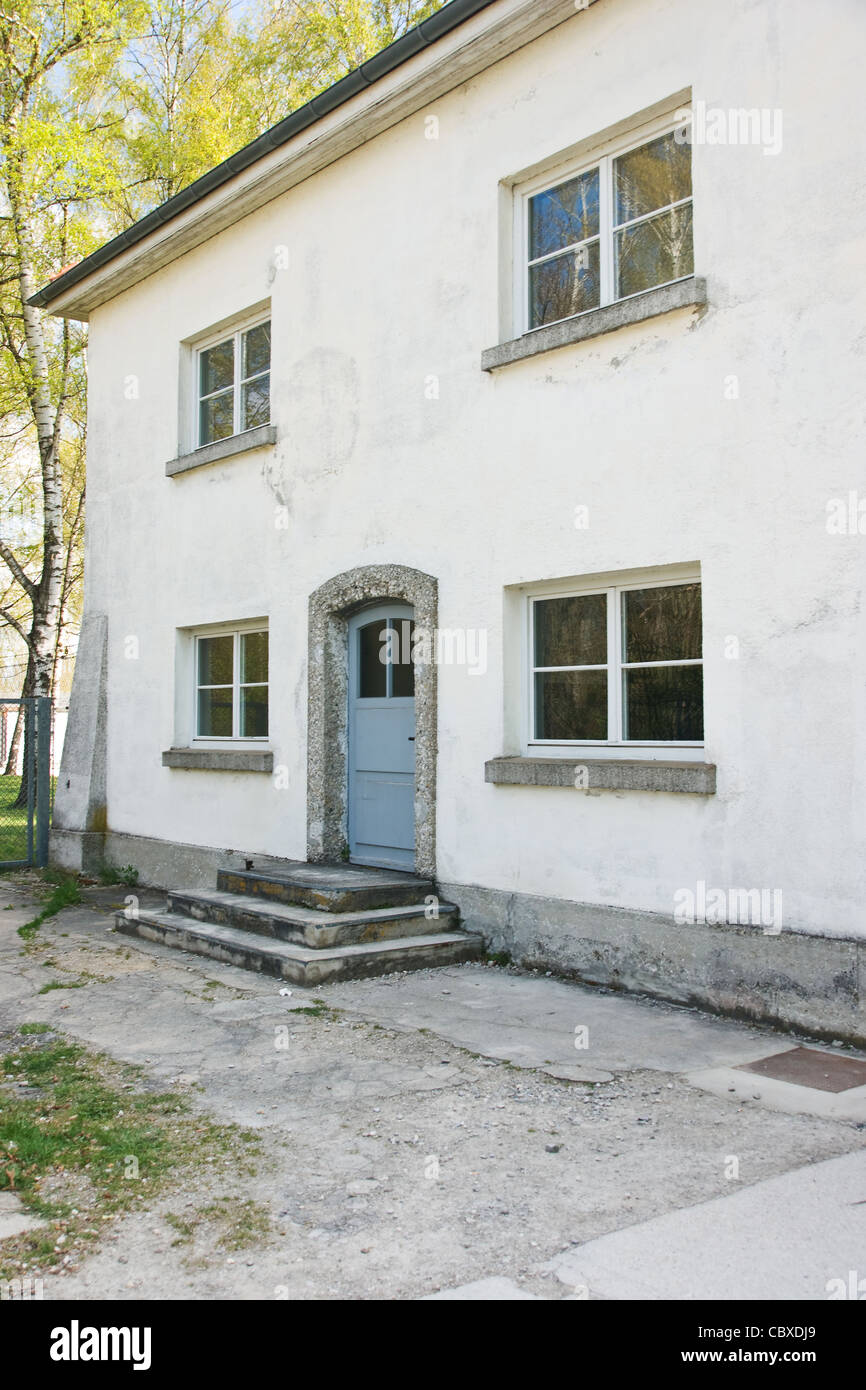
(337, 608)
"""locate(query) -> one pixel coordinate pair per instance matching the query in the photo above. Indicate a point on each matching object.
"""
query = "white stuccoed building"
(543, 333)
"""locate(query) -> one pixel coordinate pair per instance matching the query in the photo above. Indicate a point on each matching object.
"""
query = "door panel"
(381, 738)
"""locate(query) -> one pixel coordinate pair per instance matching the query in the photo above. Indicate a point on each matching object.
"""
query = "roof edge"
(414, 41)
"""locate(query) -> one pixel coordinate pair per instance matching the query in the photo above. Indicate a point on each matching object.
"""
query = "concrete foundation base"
(807, 984)
(810, 984)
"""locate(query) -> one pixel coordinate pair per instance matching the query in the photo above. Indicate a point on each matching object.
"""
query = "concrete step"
(300, 965)
(306, 926)
(328, 887)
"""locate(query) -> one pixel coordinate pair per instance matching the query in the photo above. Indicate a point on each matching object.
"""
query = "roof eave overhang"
(487, 32)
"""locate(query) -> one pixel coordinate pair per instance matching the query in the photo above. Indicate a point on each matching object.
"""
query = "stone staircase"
(308, 923)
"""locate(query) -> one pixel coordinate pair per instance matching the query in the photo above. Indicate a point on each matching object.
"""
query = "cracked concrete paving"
(439, 1133)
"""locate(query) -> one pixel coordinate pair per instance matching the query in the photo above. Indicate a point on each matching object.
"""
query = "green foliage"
(111, 1142)
(66, 893)
(127, 875)
(107, 108)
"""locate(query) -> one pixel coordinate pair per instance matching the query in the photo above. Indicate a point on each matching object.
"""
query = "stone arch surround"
(331, 606)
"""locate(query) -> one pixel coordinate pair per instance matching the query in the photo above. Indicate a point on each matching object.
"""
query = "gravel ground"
(394, 1163)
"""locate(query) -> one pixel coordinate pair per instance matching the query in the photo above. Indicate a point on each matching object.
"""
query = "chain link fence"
(25, 780)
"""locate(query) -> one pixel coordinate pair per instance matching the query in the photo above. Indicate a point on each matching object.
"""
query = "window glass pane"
(571, 631)
(216, 420)
(254, 656)
(217, 367)
(215, 713)
(566, 285)
(563, 215)
(662, 624)
(254, 711)
(403, 670)
(257, 349)
(664, 703)
(256, 402)
(651, 177)
(655, 251)
(215, 660)
(571, 704)
(372, 684)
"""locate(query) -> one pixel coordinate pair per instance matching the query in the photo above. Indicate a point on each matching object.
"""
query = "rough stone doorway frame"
(331, 606)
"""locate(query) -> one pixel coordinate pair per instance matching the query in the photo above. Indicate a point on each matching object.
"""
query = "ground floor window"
(619, 664)
(231, 684)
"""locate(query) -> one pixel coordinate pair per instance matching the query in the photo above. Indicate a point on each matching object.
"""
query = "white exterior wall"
(393, 275)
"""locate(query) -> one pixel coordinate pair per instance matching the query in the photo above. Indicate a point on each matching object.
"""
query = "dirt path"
(393, 1163)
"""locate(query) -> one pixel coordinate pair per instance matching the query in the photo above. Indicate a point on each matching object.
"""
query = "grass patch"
(240, 1224)
(28, 1028)
(110, 873)
(499, 958)
(61, 984)
(226, 1222)
(65, 893)
(13, 821)
(317, 1010)
(88, 1141)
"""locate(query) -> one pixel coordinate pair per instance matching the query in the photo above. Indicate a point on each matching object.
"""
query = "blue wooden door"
(382, 737)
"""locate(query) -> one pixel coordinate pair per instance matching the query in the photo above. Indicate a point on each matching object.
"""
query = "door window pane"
(571, 631)
(662, 624)
(403, 670)
(373, 672)
(571, 704)
(654, 176)
(664, 704)
(566, 285)
(563, 215)
(654, 252)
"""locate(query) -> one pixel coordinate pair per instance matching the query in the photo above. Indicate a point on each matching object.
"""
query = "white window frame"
(601, 158)
(235, 631)
(614, 746)
(223, 335)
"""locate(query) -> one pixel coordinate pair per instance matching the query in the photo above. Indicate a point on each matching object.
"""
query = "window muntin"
(231, 695)
(617, 228)
(234, 384)
(620, 665)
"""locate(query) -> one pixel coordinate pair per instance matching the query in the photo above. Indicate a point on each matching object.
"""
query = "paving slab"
(732, 1084)
(788, 1237)
(534, 1021)
(493, 1290)
(14, 1220)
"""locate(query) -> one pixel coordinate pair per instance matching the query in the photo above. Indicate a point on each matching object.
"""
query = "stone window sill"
(223, 449)
(681, 295)
(613, 774)
(220, 759)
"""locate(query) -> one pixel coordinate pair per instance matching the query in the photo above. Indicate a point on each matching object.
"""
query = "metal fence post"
(43, 778)
(29, 769)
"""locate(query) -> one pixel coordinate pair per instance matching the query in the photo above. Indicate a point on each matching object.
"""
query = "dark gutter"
(414, 41)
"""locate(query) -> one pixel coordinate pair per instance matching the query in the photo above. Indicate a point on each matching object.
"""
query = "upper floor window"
(234, 383)
(231, 680)
(618, 665)
(606, 230)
